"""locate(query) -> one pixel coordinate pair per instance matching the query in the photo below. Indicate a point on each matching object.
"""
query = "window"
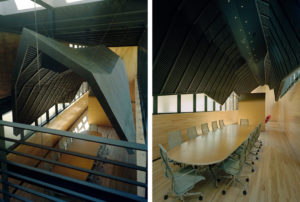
(210, 104)
(52, 111)
(7, 116)
(217, 107)
(187, 103)
(26, 4)
(200, 105)
(60, 107)
(289, 82)
(167, 104)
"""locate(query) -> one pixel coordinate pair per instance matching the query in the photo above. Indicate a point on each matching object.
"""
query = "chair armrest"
(186, 173)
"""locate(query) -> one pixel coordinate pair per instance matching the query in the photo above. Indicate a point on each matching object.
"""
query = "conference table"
(211, 148)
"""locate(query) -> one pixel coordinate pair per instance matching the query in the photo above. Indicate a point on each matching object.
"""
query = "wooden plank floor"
(277, 176)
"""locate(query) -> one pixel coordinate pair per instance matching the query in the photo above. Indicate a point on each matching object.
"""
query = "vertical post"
(3, 164)
(214, 106)
(205, 103)
(36, 123)
(155, 104)
(64, 106)
(194, 102)
(47, 116)
(178, 103)
(56, 110)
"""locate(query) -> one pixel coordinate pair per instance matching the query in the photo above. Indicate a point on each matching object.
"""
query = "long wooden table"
(211, 148)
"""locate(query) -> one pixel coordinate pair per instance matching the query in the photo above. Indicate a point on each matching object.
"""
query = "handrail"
(80, 136)
(60, 183)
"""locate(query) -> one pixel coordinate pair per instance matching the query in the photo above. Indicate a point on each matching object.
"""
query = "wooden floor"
(277, 176)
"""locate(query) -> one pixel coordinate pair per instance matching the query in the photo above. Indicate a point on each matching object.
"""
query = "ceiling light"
(25, 4)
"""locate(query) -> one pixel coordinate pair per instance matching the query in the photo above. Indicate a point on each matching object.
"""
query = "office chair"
(192, 132)
(221, 123)
(233, 167)
(174, 139)
(182, 181)
(214, 125)
(204, 128)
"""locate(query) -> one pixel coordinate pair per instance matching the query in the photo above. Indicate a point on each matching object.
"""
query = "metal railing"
(61, 186)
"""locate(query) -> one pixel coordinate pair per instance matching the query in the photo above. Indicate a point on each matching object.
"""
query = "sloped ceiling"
(280, 23)
(55, 74)
(108, 22)
(216, 47)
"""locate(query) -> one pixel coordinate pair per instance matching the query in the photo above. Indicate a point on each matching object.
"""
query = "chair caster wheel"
(256, 153)
(223, 192)
(256, 158)
(218, 180)
(252, 170)
(244, 192)
(252, 162)
(247, 179)
(200, 198)
(166, 197)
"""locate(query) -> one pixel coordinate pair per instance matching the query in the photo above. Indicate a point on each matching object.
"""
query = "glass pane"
(187, 103)
(7, 116)
(217, 106)
(210, 104)
(200, 106)
(167, 104)
(52, 111)
(60, 107)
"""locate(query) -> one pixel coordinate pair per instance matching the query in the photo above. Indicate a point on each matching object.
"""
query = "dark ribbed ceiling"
(55, 73)
(281, 28)
(216, 47)
(108, 22)
(197, 53)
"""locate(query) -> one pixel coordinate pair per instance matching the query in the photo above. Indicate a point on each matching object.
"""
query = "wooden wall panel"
(9, 43)
(164, 123)
(285, 115)
(254, 111)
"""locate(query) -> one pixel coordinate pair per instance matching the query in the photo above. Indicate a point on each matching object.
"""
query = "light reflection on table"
(211, 148)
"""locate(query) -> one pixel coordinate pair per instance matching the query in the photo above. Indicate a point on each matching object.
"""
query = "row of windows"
(289, 82)
(185, 103)
(76, 46)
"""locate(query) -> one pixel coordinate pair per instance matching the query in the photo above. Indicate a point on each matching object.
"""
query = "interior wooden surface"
(285, 115)
(211, 148)
(276, 177)
(83, 147)
(62, 122)
(254, 111)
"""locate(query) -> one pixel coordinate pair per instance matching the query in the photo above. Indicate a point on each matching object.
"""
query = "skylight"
(25, 4)
(71, 1)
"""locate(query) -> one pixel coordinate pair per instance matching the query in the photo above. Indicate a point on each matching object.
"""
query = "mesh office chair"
(182, 181)
(174, 139)
(233, 167)
(214, 125)
(192, 132)
(204, 128)
(221, 123)
(244, 122)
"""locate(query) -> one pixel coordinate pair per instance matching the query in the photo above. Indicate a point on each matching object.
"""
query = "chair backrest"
(204, 128)
(214, 125)
(244, 154)
(221, 123)
(244, 122)
(192, 132)
(174, 139)
(165, 162)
